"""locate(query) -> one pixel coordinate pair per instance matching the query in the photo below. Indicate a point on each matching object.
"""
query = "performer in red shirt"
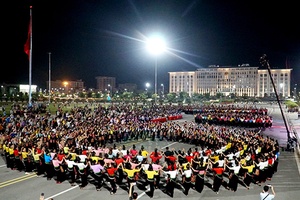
(218, 176)
(111, 170)
(155, 156)
(119, 160)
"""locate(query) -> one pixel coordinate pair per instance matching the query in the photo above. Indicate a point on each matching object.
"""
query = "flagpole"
(49, 77)
(30, 57)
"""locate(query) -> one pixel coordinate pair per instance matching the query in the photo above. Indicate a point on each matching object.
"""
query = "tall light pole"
(295, 91)
(109, 89)
(155, 79)
(156, 46)
(49, 77)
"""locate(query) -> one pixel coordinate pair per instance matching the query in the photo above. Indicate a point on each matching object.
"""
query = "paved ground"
(16, 185)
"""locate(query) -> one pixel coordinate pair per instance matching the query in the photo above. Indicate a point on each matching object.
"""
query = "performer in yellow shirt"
(26, 160)
(150, 179)
(131, 173)
(249, 166)
(144, 154)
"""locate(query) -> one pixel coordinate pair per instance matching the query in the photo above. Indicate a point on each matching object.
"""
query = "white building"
(282, 82)
(242, 80)
(25, 88)
(182, 82)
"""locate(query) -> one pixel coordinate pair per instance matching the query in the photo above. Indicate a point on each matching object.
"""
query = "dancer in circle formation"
(67, 148)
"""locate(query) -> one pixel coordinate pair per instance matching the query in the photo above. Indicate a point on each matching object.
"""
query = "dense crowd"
(230, 115)
(86, 145)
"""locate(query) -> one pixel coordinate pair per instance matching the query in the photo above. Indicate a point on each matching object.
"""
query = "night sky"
(89, 38)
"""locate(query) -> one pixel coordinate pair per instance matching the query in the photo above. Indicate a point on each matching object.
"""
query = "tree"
(207, 95)
(143, 97)
(127, 96)
(89, 94)
(81, 95)
(171, 97)
(220, 94)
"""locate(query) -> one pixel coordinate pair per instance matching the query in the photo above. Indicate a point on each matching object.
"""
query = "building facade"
(182, 82)
(67, 86)
(242, 80)
(282, 82)
(105, 83)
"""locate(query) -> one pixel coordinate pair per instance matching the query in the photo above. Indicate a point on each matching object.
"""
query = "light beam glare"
(185, 60)
(169, 51)
(183, 52)
(125, 36)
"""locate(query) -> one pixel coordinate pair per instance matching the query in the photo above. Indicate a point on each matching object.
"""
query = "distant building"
(242, 80)
(105, 83)
(25, 88)
(182, 82)
(67, 85)
(14, 89)
(282, 82)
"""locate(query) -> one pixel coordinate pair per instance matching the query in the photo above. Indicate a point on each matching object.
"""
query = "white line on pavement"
(142, 194)
(72, 188)
(169, 145)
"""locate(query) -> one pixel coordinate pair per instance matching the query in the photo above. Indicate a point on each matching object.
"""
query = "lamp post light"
(156, 46)
(2, 90)
(65, 83)
(282, 89)
(163, 89)
(109, 88)
(147, 86)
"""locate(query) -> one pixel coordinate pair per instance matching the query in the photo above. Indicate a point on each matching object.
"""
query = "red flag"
(27, 44)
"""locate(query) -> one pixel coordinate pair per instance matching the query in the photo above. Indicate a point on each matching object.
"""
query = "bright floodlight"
(156, 45)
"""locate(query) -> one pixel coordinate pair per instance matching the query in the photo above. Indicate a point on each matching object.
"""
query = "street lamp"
(282, 89)
(1, 89)
(147, 86)
(65, 83)
(295, 91)
(109, 88)
(156, 46)
(163, 88)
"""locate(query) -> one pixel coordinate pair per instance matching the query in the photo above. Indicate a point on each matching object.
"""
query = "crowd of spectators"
(86, 136)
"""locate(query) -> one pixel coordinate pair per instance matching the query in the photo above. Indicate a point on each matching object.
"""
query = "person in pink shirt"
(97, 173)
(57, 164)
(158, 168)
(98, 151)
(105, 149)
(134, 163)
(107, 160)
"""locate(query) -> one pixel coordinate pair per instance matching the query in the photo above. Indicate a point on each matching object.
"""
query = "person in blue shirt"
(48, 164)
